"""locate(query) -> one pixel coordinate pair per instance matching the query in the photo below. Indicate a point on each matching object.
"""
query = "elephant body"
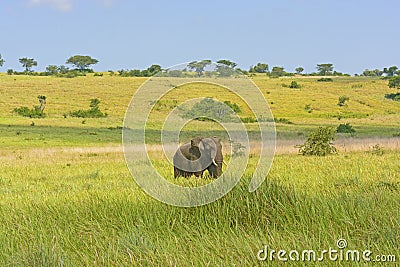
(197, 156)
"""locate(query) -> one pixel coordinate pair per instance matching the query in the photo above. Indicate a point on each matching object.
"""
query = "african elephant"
(197, 156)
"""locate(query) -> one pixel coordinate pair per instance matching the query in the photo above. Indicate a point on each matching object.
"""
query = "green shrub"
(345, 128)
(294, 84)
(10, 72)
(36, 111)
(377, 150)
(395, 97)
(233, 106)
(93, 112)
(31, 113)
(342, 100)
(308, 108)
(325, 80)
(209, 108)
(248, 120)
(394, 82)
(357, 86)
(318, 143)
(283, 120)
(165, 105)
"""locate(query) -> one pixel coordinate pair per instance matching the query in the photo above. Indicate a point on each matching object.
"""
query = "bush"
(283, 120)
(36, 111)
(294, 84)
(342, 100)
(319, 143)
(377, 150)
(325, 80)
(308, 108)
(395, 97)
(394, 82)
(93, 112)
(248, 119)
(345, 128)
(233, 106)
(209, 109)
(31, 113)
(10, 72)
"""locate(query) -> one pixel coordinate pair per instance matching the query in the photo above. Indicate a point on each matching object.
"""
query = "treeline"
(81, 65)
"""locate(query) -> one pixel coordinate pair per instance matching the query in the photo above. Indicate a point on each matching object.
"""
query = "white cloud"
(63, 5)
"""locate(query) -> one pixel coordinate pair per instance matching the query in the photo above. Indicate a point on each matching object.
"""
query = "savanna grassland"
(67, 197)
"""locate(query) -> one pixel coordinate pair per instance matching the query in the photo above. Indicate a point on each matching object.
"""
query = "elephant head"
(197, 156)
(211, 148)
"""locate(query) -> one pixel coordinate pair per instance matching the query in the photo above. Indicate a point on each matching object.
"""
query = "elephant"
(197, 156)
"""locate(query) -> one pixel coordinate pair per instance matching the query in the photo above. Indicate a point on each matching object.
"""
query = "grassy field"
(68, 199)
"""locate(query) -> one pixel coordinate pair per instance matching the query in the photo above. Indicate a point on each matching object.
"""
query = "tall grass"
(77, 209)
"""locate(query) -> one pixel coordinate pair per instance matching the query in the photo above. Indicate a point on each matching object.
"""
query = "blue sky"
(353, 35)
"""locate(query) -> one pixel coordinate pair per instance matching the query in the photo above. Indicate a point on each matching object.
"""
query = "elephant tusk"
(224, 163)
(214, 162)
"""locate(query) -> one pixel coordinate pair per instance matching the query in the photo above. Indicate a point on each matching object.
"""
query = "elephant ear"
(209, 148)
(195, 142)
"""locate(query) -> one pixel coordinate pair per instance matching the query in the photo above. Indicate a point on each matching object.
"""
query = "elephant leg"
(198, 174)
(177, 172)
(215, 171)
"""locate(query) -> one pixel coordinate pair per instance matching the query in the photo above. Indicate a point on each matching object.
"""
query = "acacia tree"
(299, 70)
(325, 69)
(80, 62)
(374, 72)
(27, 63)
(260, 68)
(198, 66)
(1, 61)
(227, 63)
(278, 71)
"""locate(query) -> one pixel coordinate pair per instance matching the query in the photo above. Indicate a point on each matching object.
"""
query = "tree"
(391, 71)
(153, 69)
(224, 70)
(1, 61)
(198, 66)
(27, 63)
(319, 142)
(394, 82)
(299, 70)
(374, 72)
(278, 71)
(42, 101)
(260, 68)
(325, 69)
(62, 69)
(342, 100)
(52, 69)
(81, 63)
(227, 63)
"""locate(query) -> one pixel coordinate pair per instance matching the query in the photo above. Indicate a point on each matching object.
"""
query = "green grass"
(83, 208)
(68, 199)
